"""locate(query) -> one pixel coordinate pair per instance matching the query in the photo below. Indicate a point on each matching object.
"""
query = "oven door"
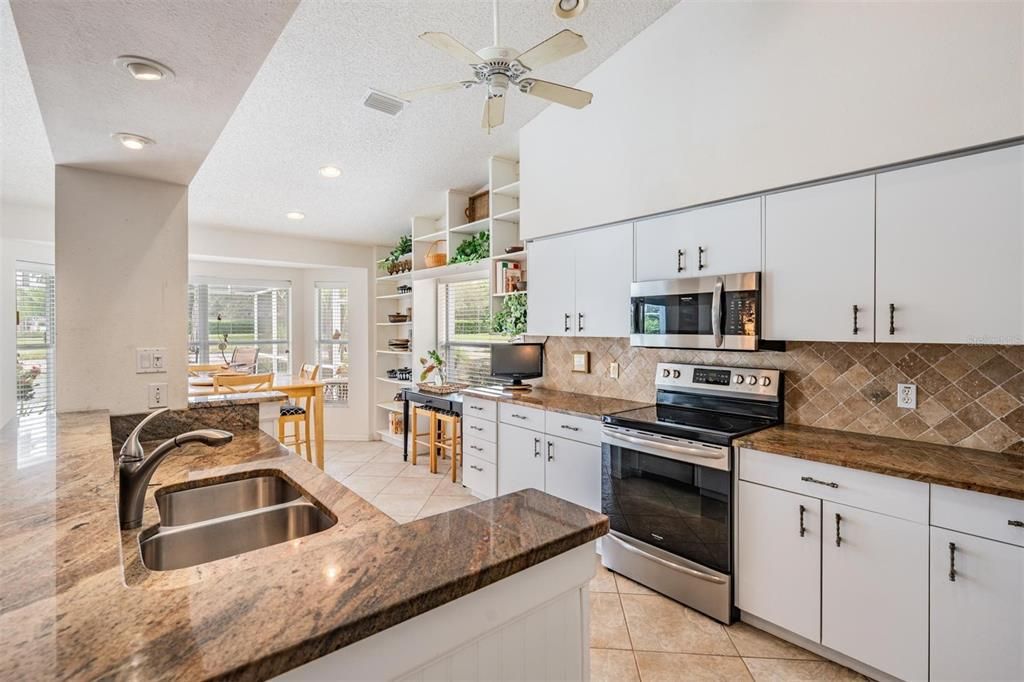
(671, 494)
(697, 312)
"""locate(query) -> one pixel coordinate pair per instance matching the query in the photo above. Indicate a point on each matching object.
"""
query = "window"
(34, 344)
(464, 335)
(225, 314)
(332, 343)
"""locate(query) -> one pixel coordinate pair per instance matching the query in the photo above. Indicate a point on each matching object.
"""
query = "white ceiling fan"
(500, 68)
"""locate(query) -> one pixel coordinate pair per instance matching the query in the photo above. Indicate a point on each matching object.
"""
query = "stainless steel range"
(667, 483)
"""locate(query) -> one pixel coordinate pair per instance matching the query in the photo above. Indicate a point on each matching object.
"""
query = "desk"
(451, 403)
(294, 387)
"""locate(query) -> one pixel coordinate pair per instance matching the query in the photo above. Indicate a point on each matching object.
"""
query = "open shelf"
(388, 297)
(481, 225)
(393, 278)
(516, 257)
(399, 382)
(508, 216)
(395, 352)
(394, 324)
(433, 237)
(509, 190)
(391, 405)
(508, 293)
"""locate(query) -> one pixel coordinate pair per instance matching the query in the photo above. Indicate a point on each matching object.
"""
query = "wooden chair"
(242, 383)
(293, 413)
(446, 439)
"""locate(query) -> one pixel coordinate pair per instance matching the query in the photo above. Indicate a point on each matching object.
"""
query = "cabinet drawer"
(875, 492)
(572, 427)
(480, 476)
(988, 516)
(518, 415)
(477, 447)
(480, 428)
(480, 408)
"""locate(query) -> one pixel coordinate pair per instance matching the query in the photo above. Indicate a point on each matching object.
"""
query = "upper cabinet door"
(950, 256)
(716, 240)
(604, 271)
(819, 259)
(550, 307)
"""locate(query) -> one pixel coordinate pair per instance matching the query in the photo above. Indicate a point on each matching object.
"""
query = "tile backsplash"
(972, 396)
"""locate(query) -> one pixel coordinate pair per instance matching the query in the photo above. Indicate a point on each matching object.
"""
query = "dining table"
(295, 387)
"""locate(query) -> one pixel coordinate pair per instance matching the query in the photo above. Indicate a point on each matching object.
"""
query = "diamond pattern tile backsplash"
(972, 396)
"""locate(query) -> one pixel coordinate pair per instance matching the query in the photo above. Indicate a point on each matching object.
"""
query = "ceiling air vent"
(382, 101)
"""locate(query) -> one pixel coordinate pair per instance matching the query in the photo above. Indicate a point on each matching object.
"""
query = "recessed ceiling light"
(142, 69)
(295, 215)
(567, 9)
(132, 141)
(330, 171)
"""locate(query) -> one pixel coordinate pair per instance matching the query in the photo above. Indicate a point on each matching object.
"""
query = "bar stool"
(446, 439)
(415, 412)
(293, 413)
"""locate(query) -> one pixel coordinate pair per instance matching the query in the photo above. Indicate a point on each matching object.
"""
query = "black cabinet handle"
(476, 447)
(952, 562)
(536, 447)
(570, 428)
(700, 257)
(803, 531)
(551, 457)
(681, 260)
(580, 323)
(839, 537)
(892, 319)
(855, 310)
(1014, 523)
(567, 318)
(809, 479)
(476, 407)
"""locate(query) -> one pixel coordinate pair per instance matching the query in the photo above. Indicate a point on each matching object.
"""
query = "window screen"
(34, 299)
(332, 341)
(464, 331)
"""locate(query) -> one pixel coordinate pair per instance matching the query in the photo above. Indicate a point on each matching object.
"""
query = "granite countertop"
(994, 473)
(578, 404)
(223, 399)
(77, 603)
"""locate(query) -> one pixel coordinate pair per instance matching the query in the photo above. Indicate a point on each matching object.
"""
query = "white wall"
(718, 99)
(227, 244)
(122, 269)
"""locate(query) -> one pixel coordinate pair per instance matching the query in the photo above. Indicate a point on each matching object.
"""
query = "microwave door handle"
(716, 311)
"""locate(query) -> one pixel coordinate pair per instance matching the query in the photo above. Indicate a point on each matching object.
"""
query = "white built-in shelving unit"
(442, 234)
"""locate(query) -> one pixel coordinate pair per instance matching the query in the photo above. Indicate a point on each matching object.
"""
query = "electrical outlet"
(158, 355)
(613, 370)
(906, 396)
(158, 395)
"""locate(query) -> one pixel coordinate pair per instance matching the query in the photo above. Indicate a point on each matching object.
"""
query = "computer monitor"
(517, 361)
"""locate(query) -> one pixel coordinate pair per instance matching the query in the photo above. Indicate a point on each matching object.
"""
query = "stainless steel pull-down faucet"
(135, 469)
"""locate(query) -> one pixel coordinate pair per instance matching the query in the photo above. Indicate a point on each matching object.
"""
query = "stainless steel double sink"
(210, 522)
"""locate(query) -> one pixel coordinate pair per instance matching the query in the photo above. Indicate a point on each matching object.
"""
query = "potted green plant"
(432, 364)
(473, 249)
(402, 249)
(510, 321)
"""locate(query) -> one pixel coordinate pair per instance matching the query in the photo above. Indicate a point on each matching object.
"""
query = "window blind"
(36, 321)
(224, 315)
(332, 340)
(464, 331)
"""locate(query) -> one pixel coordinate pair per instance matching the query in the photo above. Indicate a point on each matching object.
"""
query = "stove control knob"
(766, 381)
(752, 380)
(676, 374)
(738, 379)
(665, 373)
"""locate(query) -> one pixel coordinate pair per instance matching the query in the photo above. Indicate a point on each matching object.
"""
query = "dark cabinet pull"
(580, 323)
(810, 479)
(1014, 523)
(476, 447)
(536, 447)
(476, 407)
(567, 318)
(952, 562)
(855, 311)
(839, 537)
(803, 530)
(570, 428)
(551, 457)
(680, 260)
(892, 319)
(700, 257)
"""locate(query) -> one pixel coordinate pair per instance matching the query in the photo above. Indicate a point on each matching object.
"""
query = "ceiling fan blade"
(559, 94)
(558, 46)
(445, 42)
(434, 89)
(494, 112)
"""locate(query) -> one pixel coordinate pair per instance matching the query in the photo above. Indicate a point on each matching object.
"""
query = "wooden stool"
(293, 413)
(447, 438)
(414, 413)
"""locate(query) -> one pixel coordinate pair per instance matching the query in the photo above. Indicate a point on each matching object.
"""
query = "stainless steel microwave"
(722, 312)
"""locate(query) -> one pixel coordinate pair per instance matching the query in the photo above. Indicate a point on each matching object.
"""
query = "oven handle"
(668, 564)
(716, 311)
(717, 453)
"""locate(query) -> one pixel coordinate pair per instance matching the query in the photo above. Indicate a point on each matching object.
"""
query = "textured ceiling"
(303, 110)
(214, 47)
(27, 163)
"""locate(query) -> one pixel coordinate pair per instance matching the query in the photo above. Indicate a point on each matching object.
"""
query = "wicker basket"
(442, 389)
(433, 259)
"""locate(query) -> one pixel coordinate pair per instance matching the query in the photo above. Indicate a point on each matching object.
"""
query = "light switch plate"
(613, 370)
(158, 395)
(150, 360)
(906, 396)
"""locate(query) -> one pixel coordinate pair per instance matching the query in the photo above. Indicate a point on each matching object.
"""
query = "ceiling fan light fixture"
(569, 9)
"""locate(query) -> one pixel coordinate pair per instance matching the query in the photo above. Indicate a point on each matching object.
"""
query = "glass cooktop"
(701, 425)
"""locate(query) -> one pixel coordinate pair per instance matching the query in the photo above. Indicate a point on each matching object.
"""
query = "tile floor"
(636, 635)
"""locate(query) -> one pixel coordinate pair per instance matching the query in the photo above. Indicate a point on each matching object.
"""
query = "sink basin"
(192, 505)
(190, 545)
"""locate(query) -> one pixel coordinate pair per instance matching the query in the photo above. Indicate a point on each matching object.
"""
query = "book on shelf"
(508, 274)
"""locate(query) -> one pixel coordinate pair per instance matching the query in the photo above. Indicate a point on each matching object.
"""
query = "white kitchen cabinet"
(715, 240)
(950, 250)
(520, 459)
(819, 260)
(580, 283)
(573, 471)
(977, 614)
(551, 300)
(779, 558)
(874, 589)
